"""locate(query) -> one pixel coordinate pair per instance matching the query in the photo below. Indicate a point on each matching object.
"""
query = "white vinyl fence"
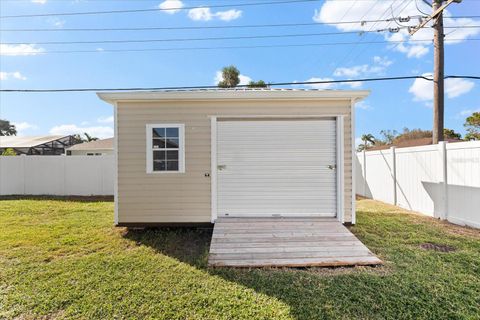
(57, 175)
(441, 180)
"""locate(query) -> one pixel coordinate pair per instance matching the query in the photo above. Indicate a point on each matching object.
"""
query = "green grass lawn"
(61, 259)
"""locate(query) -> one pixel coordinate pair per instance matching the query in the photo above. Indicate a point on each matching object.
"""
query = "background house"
(92, 148)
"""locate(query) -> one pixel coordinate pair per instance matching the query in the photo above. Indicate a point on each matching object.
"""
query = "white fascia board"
(112, 97)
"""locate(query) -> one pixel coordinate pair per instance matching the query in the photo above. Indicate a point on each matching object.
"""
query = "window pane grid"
(166, 148)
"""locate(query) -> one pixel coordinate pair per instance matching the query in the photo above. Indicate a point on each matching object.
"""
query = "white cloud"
(200, 14)
(39, 1)
(468, 112)
(56, 22)
(171, 6)
(205, 14)
(244, 80)
(229, 15)
(379, 66)
(363, 105)
(422, 89)
(358, 141)
(352, 10)
(320, 86)
(11, 75)
(20, 50)
(96, 131)
(105, 119)
(24, 126)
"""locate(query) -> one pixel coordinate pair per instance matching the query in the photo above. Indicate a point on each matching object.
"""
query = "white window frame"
(181, 149)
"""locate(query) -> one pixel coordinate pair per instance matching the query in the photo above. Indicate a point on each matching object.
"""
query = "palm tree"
(366, 138)
(231, 77)
(89, 137)
(7, 129)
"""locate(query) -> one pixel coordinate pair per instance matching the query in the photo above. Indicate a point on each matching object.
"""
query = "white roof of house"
(26, 141)
(104, 144)
(234, 94)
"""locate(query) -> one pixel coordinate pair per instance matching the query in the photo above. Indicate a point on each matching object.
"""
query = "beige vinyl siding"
(185, 197)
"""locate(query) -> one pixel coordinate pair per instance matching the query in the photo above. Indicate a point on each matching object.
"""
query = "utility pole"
(438, 75)
(438, 61)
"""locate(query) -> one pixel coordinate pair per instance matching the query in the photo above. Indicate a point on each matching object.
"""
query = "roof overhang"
(227, 95)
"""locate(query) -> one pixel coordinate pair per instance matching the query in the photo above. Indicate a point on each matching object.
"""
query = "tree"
(366, 138)
(413, 134)
(77, 138)
(7, 129)
(472, 123)
(257, 84)
(230, 76)
(9, 152)
(89, 137)
(451, 134)
(388, 136)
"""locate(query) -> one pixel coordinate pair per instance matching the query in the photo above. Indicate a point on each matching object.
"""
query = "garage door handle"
(221, 167)
(332, 166)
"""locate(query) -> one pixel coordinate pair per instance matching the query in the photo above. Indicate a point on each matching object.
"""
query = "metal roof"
(94, 145)
(26, 141)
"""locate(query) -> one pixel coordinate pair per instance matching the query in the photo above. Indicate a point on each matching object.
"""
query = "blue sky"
(392, 105)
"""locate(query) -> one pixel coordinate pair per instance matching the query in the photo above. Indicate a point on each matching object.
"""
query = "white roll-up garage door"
(276, 167)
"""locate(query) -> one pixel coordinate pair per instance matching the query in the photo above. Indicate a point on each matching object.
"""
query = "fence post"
(394, 174)
(24, 169)
(443, 156)
(364, 173)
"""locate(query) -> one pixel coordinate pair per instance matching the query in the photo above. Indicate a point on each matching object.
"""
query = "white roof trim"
(112, 97)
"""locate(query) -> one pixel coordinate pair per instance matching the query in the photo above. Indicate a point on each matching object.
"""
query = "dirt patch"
(437, 247)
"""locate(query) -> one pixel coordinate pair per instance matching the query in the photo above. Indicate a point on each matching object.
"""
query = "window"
(165, 148)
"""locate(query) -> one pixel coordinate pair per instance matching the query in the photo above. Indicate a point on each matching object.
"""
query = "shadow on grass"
(305, 290)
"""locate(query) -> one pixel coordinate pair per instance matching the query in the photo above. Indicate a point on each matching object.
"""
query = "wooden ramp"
(286, 242)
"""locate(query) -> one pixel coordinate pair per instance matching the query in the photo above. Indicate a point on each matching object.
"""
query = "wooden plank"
(274, 240)
(286, 244)
(277, 234)
(338, 261)
(346, 249)
(351, 252)
(316, 230)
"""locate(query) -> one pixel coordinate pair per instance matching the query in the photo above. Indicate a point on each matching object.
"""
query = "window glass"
(172, 132)
(172, 143)
(172, 165)
(172, 155)
(158, 132)
(165, 148)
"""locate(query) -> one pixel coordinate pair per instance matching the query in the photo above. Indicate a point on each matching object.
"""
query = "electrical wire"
(294, 35)
(192, 27)
(239, 86)
(155, 9)
(101, 50)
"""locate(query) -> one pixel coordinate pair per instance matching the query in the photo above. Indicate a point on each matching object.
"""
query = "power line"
(196, 39)
(240, 86)
(154, 9)
(224, 47)
(198, 27)
(220, 27)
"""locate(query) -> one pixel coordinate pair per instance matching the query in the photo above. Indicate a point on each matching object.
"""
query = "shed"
(189, 157)
(271, 169)
(92, 148)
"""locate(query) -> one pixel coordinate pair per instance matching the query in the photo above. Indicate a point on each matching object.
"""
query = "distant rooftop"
(26, 141)
(94, 145)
